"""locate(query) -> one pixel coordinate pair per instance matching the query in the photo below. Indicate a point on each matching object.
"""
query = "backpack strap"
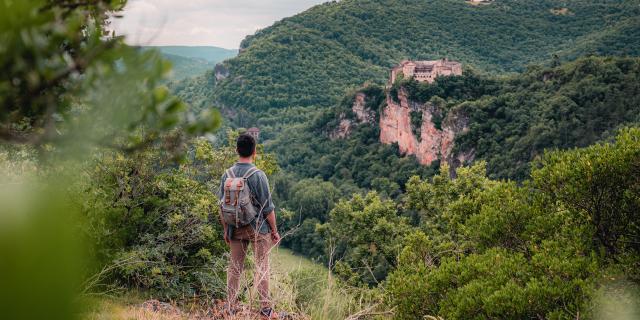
(246, 176)
(230, 173)
(250, 172)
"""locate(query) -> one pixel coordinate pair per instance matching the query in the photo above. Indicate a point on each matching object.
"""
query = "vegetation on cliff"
(513, 119)
(573, 105)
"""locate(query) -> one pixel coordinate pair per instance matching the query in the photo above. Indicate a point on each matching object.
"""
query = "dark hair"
(245, 145)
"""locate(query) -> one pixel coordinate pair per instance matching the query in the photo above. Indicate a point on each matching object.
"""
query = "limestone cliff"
(343, 130)
(361, 113)
(359, 108)
(434, 143)
(430, 135)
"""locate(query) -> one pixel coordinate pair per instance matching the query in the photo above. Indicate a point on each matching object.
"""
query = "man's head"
(246, 146)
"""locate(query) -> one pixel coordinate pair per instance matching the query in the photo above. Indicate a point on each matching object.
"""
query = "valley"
(374, 156)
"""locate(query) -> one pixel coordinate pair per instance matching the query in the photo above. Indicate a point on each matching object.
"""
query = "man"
(261, 231)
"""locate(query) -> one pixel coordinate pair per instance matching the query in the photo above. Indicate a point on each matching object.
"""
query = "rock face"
(221, 72)
(434, 143)
(436, 135)
(362, 115)
(343, 130)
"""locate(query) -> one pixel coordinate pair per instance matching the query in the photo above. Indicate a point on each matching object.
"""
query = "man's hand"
(224, 228)
(226, 236)
(275, 237)
(271, 220)
(226, 239)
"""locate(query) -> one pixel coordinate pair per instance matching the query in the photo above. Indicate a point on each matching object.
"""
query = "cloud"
(221, 23)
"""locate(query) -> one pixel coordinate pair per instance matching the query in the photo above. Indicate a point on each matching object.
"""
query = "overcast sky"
(222, 23)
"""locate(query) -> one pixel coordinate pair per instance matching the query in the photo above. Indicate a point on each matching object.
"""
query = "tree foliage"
(601, 184)
(60, 72)
(363, 236)
(150, 221)
(572, 105)
(493, 249)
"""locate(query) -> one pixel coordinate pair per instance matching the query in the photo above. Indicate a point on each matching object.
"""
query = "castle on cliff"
(426, 71)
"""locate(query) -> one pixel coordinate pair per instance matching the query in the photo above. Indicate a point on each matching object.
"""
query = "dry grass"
(120, 308)
(116, 308)
(330, 301)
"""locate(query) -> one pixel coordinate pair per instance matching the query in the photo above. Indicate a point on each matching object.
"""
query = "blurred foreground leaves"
(74, 97)
(66, 81)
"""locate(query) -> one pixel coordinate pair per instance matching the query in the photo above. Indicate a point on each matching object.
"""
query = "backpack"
(236, 205)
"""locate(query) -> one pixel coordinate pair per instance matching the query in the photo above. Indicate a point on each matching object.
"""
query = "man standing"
(248, 216)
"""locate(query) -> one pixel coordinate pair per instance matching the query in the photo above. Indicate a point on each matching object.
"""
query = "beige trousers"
(261, 248)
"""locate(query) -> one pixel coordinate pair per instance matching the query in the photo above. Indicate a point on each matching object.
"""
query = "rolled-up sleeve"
(263, 194)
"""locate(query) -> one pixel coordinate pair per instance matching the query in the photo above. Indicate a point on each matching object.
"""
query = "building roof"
(424, 68)
(253, 129)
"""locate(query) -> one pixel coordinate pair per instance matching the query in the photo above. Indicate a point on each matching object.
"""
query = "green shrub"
(493, 249)
(601, 186)
(363, 235)
(152, 227)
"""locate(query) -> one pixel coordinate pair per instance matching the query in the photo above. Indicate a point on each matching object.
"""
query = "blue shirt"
(261, 196)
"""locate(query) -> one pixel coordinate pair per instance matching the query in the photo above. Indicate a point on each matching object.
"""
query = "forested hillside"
(311, 58)
(196, 91)
(513, 120)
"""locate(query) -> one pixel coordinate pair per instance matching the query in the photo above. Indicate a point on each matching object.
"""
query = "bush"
(363, 235)
(497, 250)
(601, 186)
(152, 226)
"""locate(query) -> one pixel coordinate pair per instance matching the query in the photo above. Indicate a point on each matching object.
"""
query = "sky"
(222, 23)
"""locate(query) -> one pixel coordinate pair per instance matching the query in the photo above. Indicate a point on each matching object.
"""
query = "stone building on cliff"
(426, 71)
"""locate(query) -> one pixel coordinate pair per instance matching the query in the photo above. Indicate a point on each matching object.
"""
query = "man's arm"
(271, 220)
(224, 227)
(263, 195)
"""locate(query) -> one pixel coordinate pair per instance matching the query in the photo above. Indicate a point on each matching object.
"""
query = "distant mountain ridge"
(312, 58)
(208, 53)
(193, 61)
